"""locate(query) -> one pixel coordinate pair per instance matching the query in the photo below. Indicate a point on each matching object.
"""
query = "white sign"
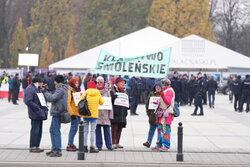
(76, 97)
(28, 59)
(42, 99)
(107, 105)
(122, 100)
(153, 103)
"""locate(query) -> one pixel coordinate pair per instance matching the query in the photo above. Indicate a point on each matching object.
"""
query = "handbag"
(83, 107)
(65, 117)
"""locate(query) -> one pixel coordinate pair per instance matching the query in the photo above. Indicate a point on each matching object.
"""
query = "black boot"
(85, 149)
(93, 150)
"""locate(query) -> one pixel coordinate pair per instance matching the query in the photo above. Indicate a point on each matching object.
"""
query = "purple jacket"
(36, 111)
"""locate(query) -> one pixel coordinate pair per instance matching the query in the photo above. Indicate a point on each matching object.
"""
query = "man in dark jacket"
(58, 106)
(236, 88)
(245, 88)
(198, 96)
(15, 88)
(37, 113)
(176, 85)
(135, 84)
(192, 85)
(184, 86)
(211, 86)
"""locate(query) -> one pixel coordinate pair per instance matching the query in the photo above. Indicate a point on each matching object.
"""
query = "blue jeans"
(209, 98)
(163, 138)
(107, 136)
(36, 133)
(55, 134)
(73, 129)
(151, 132)
(92, 132)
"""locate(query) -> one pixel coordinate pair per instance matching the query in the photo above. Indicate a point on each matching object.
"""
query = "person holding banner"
(105, 114)
(38, 112)
(164, 117)
(151, 105)
(73, 98)
(120, 104)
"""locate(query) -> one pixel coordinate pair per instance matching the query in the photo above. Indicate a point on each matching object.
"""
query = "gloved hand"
(73, 116)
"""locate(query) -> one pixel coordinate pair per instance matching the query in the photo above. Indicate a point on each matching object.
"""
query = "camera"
(45, 86)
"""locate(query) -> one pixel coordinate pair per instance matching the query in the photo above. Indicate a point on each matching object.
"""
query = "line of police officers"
(241, 92)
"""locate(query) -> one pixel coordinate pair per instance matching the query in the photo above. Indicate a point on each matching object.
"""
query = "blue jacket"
(36, 111)
(58, 99)
(150, 84)
(136, 85)
(10, 83)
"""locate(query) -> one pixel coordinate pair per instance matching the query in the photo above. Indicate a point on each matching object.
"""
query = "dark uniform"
(198, 96)
(15, 88)
(184, 86)
(135, 84)
(236, 88)
(176, 85)
(192, 86)
(245, 87)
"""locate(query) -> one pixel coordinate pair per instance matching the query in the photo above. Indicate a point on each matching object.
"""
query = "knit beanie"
(91, 84)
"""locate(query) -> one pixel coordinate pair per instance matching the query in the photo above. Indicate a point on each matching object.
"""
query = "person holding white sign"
(73, 93)
(105, 115)
(120, 111)
(37, 113)
(151, 105)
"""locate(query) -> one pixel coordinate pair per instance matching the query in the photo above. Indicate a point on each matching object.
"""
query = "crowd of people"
(61, 90)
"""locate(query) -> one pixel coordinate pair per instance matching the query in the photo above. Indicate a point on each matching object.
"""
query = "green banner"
(153, 65)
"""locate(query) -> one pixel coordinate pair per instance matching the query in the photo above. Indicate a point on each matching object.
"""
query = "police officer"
(192, 86)
(135, 84)
(236, 88)
(211, 87)
(198, 95)
(184, 85)
(204, 95)
(176, 85)
(245, 87)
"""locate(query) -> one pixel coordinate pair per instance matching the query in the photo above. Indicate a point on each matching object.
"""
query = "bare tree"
(230, 20)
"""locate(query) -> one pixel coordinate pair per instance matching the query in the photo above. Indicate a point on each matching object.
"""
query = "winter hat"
(59, 79)
(36, 79)
(100, 78)
(119, 79)
(72, 82)
(91, 84)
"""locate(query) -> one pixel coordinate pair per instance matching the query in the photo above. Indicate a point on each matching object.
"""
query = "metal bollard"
(81, 154)
(179, 156)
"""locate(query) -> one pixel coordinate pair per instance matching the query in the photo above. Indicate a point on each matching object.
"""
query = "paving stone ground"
(220, 138)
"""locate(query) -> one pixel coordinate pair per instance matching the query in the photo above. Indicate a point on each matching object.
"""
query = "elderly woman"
(104, 119)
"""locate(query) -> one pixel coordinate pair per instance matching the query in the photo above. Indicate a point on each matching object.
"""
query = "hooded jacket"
(150, 113)
(94, 98)
(58, 99)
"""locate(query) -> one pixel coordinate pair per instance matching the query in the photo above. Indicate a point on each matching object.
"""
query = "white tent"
(135, 44)
(197, 53)
(191, 53)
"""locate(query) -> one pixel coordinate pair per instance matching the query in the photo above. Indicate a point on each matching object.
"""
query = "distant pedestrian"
(15, 88)
(245, 88)
(94, 98)
(58, 101)
(237, 92)
(198, 96)
(37, 113)
(176, 85)
(212, 87)
(156, 92)
(164, 117)
(10, 93)
(192, 86)
(104, 118)
(135, 85)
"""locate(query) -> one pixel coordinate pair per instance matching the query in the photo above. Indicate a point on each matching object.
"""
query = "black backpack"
(83, 107)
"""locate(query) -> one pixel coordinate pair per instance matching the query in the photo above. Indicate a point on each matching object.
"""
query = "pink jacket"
(167, 98)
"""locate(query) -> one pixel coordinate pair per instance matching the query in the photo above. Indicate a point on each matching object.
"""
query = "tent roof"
(137, 43)
(199, 53)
